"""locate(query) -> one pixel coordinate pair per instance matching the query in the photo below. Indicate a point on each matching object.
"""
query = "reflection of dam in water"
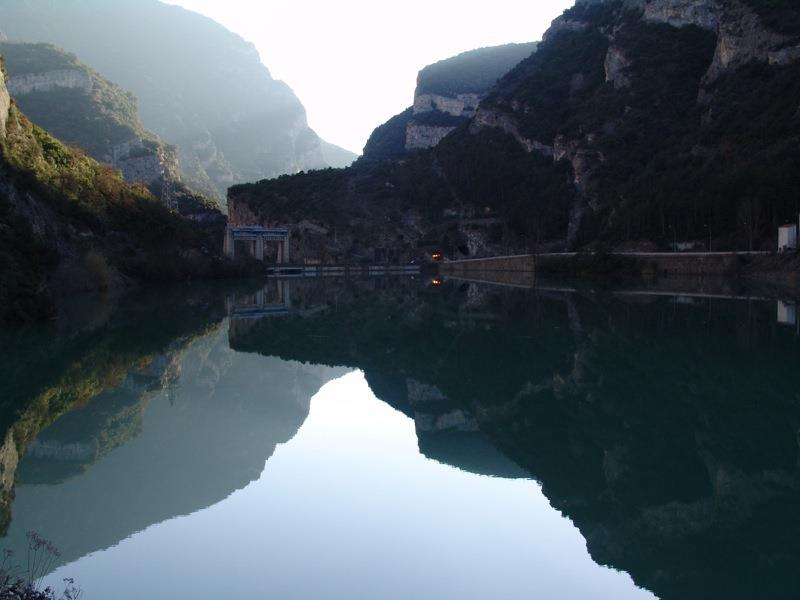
(274, 299)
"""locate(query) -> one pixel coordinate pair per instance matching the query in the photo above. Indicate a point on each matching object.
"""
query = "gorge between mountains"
(538, 340)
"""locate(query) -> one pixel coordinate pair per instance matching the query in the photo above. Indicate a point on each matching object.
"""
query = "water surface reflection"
(663, 425)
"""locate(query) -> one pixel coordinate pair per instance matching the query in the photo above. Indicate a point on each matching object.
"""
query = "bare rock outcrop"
(459, 105)
(72, 79)
(142, 161)
(680, 13)
(420, 137)
(742, 35)
(616, 64)
(743, 38)
(489, 118)
(5, 104)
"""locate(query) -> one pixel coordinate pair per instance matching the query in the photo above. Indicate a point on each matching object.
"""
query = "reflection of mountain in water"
(206, 437)
(53, 369)
(666, 428)
(359, 324)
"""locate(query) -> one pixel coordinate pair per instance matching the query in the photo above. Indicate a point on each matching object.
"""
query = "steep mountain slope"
(199, 86)
(81, 107)
(447, 95)
(675, 117)
(85, 110)
(68, 223)
(643, 122)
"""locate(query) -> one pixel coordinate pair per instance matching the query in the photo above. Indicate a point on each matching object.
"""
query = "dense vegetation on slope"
(471, 72)
(780, 15)
(63, 211)
(388, 141)
(661, 165)
(613, 135)
(491, 171)
(341, 197)
(654, 153)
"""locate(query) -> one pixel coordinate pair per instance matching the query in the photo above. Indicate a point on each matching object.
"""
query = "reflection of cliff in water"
(205, 436)
(665, 427)
(52, 369)
(357, 323)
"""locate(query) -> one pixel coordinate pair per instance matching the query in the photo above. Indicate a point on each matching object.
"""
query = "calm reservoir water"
(396, 439)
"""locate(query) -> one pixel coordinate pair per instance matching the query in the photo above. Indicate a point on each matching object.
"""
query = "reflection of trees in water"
(53, 369)
(667, 430)
(206, 438)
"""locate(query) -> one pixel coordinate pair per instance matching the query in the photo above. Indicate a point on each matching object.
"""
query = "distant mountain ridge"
(199, 86)
(447, 95)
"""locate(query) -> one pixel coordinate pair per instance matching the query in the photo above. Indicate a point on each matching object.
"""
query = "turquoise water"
(393, 439)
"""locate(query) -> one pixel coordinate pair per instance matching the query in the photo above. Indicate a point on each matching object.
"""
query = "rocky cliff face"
(460, 105)
(625, 46)
(422, 137)
(28, 83)
(199, 86)
(634, 124)
(742, 36)
(429, 109)
(80, 106)
(143, 161)
(448, 94)
(5, 104)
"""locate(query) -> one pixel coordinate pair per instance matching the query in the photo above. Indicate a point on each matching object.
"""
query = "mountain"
(199, 86)
(447, 95)
(337, 157)
(69, 224)
(635, 123)
(82, 108)
(673, 117)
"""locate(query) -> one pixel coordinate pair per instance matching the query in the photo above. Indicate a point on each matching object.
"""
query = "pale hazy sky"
(354, 63)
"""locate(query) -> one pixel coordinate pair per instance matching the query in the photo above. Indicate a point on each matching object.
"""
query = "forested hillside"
(635, 125)
(69, 224)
